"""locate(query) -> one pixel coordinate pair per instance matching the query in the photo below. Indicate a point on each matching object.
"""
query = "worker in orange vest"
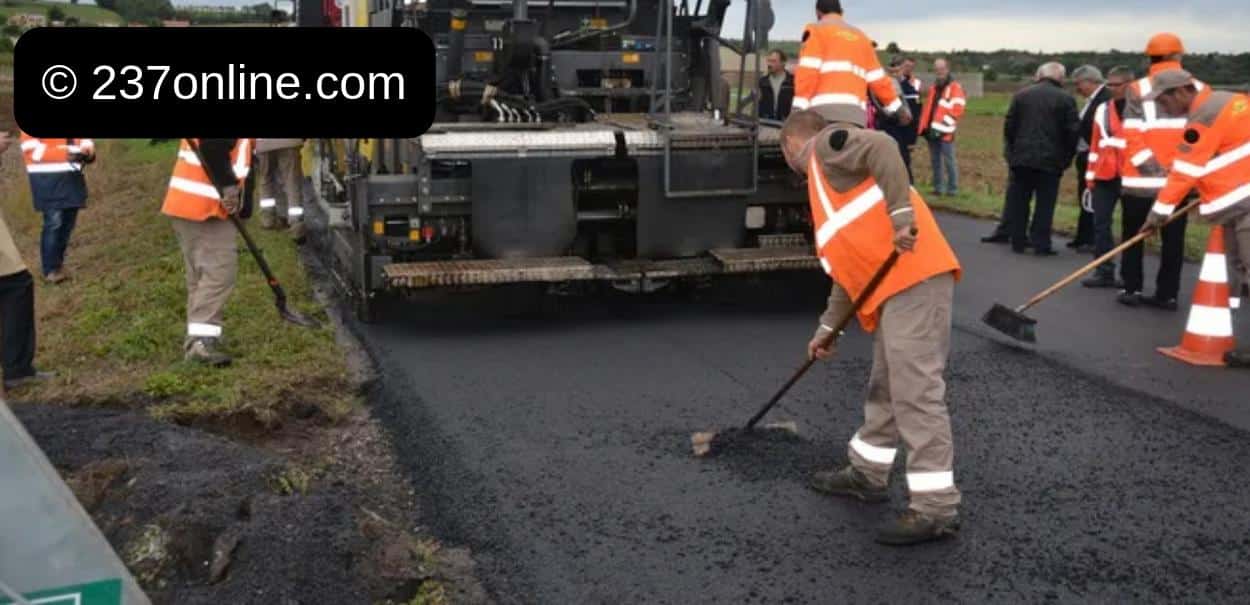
(863, 209)
(1151, 135)
(1106, 145)
(939, 119)
(205, 189)
(1214, 158)
(58, 190)
(838, 67)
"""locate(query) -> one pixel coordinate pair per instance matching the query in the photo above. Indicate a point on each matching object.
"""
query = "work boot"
(207, 351)
(912, 527)
(1238, 359)
(848, 482)
(268, 219)
(1129, 299)
(1166, 304)
(1102, 279)
(11, 384)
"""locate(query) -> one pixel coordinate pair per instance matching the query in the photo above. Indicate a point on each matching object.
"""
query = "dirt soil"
(317, 516)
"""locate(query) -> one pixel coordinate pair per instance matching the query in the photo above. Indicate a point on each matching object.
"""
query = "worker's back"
(837, 66)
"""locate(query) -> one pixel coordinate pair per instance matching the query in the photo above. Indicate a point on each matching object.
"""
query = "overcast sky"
(1050, 25)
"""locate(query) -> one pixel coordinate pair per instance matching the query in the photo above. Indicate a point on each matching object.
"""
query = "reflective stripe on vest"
(47, 156)
(836, 67)
(854, 236)
(191, 194)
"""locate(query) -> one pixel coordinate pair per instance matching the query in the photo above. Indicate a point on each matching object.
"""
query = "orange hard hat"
(1162, 45)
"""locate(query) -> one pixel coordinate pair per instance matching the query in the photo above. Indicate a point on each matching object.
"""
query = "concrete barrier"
(50, 550)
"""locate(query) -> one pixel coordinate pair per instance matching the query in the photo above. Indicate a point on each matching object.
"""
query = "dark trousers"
(1026, 184)
(1105, 196)
(905, 151)
(17, 320)
(1172, 255)
(57, 227)
(1084, 225)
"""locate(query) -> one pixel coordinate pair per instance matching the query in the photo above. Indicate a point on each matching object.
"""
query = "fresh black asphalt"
(556, 447)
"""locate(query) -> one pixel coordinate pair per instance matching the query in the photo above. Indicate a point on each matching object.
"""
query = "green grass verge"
(114, 332)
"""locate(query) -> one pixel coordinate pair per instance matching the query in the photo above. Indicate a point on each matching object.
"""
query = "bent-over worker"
(200, 216)
(1214, 157)
(863, 209)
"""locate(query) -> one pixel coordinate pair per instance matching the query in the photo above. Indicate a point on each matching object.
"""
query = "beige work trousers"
(211, 255)
(907, 398)
(283, 166)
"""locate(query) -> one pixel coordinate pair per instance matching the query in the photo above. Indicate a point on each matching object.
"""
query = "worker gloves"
(232, 200)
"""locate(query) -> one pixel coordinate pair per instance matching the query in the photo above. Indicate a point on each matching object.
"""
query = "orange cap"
(1162, 45)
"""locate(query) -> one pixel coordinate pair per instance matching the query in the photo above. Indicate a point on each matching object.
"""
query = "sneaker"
(1166, 304)
(1129, 299)
(206, 351)
(1102, 281)
(1237, 359)
(912, 527)
(21, 381)
(56, 277)
(848, 482)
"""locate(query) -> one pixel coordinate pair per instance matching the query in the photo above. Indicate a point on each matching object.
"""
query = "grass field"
(983, 174)
(87, 14)
(114, 332)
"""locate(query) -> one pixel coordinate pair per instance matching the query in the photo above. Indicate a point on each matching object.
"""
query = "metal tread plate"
(435, 274)
(758, 260)
(487, 271)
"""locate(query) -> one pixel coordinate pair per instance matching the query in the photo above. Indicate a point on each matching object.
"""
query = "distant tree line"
(153, 11)
(1216, 68)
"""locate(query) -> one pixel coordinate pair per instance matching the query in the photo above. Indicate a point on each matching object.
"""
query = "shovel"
(279, 295)
(1014, 323)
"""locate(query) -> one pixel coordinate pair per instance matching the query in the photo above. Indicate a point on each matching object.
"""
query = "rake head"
(1012, 323)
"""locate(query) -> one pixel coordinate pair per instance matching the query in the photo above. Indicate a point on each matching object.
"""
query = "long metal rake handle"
(1128, 243)
(859, 303)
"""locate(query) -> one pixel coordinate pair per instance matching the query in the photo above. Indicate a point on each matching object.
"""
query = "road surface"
(1092, 468)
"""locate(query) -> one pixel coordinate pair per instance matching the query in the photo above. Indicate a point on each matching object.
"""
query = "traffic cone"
(1209, 334)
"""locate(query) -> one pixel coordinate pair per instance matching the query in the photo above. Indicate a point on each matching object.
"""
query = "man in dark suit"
(1092, 86)
(776, 89)
(1040, 138)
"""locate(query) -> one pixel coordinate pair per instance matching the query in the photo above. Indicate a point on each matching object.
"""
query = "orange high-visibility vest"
(1152, 136)
(950, 108)
(1106, 144)
(45, 156)
(855, 236)
(191, 194)
(1215, 156)
(837, 66)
